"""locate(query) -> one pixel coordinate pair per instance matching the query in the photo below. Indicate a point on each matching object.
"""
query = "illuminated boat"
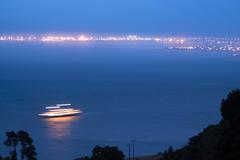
(60, 110)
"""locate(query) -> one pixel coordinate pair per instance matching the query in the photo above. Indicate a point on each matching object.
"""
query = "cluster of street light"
(180, 43)
(210, 44)
(80, 38)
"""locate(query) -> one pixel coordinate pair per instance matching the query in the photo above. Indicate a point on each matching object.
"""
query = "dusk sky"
(162, 17)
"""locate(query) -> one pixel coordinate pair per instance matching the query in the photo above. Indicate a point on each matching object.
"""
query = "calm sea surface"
(153, 96)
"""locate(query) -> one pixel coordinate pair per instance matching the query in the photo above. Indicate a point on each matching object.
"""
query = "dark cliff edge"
(216, 142)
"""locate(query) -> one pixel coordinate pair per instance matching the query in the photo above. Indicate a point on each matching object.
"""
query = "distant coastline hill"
(216, 142)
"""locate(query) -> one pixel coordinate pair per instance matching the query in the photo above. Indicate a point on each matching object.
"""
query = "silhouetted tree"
(170, 149)
(230, 108)
(12, 142)
(27, 149)
(107, 153)
(168, 154)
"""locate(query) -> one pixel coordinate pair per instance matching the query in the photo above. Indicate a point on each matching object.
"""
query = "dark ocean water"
(154, 96)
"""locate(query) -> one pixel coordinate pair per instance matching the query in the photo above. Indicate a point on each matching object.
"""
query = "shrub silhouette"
(104, 153)
(107, 153)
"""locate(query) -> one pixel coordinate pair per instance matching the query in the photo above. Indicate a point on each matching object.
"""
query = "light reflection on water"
(60, 127)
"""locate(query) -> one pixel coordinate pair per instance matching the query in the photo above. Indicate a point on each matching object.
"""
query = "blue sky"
(163, 17)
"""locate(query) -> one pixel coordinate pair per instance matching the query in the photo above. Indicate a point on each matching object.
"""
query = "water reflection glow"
(59, 127)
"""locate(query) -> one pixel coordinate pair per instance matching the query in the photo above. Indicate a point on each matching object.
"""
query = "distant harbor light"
(178, 43)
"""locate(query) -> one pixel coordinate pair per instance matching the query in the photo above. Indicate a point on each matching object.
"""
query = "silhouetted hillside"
(216, 142)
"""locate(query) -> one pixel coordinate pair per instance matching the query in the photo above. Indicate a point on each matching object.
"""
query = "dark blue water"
(154, 96)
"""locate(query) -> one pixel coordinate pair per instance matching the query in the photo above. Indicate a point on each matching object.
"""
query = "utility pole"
(133, 149)
(129, 151)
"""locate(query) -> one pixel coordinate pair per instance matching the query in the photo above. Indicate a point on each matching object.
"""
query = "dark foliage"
(230, 108)
(24, 141)
(105, 153)
(216, 142)
(27, 150)
(5, 158)
(167, 155)
(12, 142)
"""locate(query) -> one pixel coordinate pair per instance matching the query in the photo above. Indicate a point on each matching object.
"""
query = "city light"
(177, 43)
